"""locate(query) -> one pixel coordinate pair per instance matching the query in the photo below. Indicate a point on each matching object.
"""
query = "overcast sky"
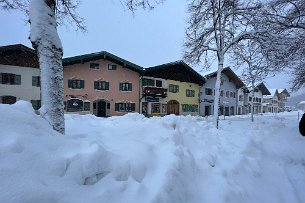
(147, 38)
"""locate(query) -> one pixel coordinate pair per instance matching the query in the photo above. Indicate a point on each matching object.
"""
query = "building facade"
(230, 83)
(19, 75)
(102, 84)
(271, 102)
(181, 96)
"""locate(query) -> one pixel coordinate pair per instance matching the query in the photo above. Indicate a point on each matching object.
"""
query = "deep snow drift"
(137, 159)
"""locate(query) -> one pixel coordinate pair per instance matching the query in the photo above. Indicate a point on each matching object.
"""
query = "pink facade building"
(102, 84)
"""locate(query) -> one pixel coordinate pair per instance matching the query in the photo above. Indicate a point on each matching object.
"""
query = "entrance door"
(207, 110)
(173, 107)
(100, 108)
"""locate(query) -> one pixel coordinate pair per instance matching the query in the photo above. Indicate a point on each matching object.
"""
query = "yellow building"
(182, 98)
(183, 87)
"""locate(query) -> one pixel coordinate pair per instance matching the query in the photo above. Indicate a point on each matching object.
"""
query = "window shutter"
(82, 84)
(34, 81)
(133, 107)
(130, 86)
(107, 86)
(193, 93)
(121, 86)
(95, 85)
(170, 87)
(17, 79)
(69, 83)
(116, 107)
(177, 88)
(186, 93)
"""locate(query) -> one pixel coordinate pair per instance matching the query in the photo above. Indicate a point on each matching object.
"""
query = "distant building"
(19, 75)
(301, 105)
(283, 97)
(230, 83)
(271, 102)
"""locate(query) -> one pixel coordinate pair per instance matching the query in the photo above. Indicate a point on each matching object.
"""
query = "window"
(94, 66)
(227, 94)
(260, 100)
(125, 86)
(112, 66)
(86, 106)
(8, 100)
(125, 107)
(208, 91)
(10, 79)
(250, 98)
(74, 105)
(190, 93)
(76, 84)
(221, 93)
(164, 108)
(101, 85)
(158, 83)
(241, 98)
(36, 104)
(189, 108)
(155, 108)
(232, 94)
(173, 88)
(148, 82)
(36, 81)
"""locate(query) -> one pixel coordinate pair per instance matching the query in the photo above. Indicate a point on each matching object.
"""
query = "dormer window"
(94, 65)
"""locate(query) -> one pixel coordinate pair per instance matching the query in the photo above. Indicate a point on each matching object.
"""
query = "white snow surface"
(136, 159)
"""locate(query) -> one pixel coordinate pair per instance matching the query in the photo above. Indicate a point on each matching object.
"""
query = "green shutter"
(133, 107)
(130, 86)
(170, 88)
(34, 81)
(95, 85)
(82, 84)
(70, 83)
(107, 86)
(177, 88)
(116, 107)
(17, 80)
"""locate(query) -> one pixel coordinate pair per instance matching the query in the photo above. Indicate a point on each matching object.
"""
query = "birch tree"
(248, 55)
(215, 26)
(44, 17)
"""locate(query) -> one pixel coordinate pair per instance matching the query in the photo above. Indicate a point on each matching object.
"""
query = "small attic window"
(112, 66)
(94, 65)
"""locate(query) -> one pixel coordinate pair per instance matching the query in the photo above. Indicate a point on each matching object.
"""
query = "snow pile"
(136, 159)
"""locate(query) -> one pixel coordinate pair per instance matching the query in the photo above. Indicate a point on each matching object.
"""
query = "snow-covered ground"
(137, 159)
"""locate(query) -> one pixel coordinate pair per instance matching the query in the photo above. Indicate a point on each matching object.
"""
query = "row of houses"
(106, 85)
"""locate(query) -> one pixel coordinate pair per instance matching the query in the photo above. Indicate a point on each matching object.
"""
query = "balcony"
(155, 92)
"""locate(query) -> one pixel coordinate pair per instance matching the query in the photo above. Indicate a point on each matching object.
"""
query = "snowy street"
(160, 159)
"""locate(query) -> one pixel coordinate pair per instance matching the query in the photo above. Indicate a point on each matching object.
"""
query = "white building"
(271, 102)
(19, 75)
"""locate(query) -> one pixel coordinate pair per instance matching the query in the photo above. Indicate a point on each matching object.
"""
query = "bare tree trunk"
(46, 41)
(252, 106)
(217, 94)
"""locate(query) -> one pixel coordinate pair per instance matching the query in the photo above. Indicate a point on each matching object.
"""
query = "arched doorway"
(173, 107)
(101, 108)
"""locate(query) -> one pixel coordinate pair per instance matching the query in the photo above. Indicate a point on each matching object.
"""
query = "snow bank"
(137, 159)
